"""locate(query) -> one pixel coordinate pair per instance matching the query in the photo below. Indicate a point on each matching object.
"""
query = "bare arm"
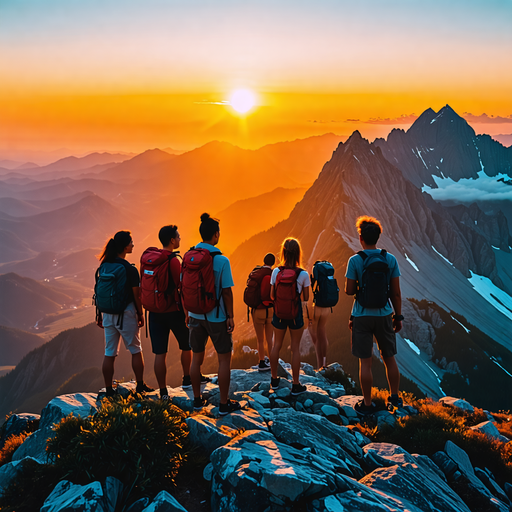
(273, 292)
(138, 305)
(227, 295)
(396, 300)
(350, 286)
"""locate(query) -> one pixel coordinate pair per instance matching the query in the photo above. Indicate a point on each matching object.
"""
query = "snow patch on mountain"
(462, 325)
(492, 294)
(413, 265)
(485, 188)
(438, 253)
(413, 346)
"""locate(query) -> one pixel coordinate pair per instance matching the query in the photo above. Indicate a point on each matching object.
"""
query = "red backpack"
(198, 281)
(252, 292)
(287, 298)
(158, 289)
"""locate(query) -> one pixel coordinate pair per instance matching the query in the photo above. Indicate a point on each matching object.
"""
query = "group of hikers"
(194, 300)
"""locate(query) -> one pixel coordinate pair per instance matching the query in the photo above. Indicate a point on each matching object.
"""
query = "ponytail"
(115, 246)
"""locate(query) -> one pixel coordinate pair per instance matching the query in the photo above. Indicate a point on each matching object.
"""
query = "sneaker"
(199, 403)
(364, 410)
(297, 389)
(143, 389)
(165, 398)
(205, 379)
(264, 366)
(274, 383)
(107, 394)
(186, 383)
(229, 407)
(394, 402)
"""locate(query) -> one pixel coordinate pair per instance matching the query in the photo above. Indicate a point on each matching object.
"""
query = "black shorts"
(297, 323)
(160, 326)
(364, 328)
(217, 331)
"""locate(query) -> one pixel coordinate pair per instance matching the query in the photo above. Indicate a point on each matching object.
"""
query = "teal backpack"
(324, 285)
(111, 291)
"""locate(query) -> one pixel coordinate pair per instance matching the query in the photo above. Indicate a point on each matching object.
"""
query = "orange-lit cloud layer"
(130, 75)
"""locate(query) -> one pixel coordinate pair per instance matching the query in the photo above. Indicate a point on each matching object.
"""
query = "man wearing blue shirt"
(218, 324)
(367, 323)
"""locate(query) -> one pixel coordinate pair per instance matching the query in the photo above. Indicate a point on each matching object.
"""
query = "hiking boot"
(229, 407)
(205, 379)
(143, 389)
(199, 403)
(165, 398)
(274, 383)
(186, 383)
(364, 410)
(264, 366)
(394, 402)
(107, 394)
(297, 389)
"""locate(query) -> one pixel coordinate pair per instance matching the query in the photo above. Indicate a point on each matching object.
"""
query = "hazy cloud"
(205, 102)
(485, 188)
(485, 119)
(403, 119)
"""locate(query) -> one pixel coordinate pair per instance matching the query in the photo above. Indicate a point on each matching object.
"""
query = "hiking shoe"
(165, 398)
(264, 366)
(364, 410)
(107, 394)
(274, 383)
(143, 389)
(297, 389)
(229, 407)
(394, 402)
(186, 383)
(199, 403)
(205, 379)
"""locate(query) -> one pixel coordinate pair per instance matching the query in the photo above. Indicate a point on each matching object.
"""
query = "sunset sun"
(242, 100)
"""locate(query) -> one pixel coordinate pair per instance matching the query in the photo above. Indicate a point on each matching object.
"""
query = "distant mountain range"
(15, 344)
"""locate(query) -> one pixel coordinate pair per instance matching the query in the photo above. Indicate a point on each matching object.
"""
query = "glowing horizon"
(130, 76)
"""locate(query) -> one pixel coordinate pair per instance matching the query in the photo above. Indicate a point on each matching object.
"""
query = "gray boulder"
(164, 502)
(92, 497)
(333, 442)
(18, 423)
(415, 486)
(77, 404)
(9, 471)
(204, 432)
(468, 483)
(457, 402)
(488, 480)
(255, 469)
(490, 430)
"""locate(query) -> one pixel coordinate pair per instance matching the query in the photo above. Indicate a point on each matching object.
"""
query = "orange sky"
(130, 76)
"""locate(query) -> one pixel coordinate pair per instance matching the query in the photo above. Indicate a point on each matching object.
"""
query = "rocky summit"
(282, 453)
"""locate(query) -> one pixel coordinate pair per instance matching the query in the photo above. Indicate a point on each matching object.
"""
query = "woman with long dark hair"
(289, 282)
(125, 324)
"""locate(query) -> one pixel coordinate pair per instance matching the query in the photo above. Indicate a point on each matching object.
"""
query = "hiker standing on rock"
(207, 297)
(259, 303)
(288, 282)
(373, 277)
(119, 308)
(160, 271)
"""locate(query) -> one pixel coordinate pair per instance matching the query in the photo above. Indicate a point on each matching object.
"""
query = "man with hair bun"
(373, 277)
(217, 324)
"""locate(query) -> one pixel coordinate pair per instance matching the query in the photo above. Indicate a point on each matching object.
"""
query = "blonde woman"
(289, 282)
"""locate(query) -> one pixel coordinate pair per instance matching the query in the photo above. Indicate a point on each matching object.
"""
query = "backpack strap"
(363, 255)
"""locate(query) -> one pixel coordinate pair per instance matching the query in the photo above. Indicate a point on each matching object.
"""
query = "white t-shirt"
(302, 281)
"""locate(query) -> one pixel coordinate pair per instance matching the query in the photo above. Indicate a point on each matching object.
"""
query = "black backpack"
(324, 286)
(373, 289)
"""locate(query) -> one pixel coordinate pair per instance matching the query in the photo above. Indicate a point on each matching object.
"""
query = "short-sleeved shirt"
(132, 275)
(302, 280)
(223, 277)
(355, 272)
